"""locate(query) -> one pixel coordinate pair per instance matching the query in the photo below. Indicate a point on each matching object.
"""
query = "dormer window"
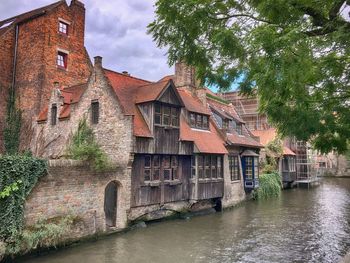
(53, 114)
(165, 115)
(239, 128)
(199, 121)
(95, 111)
(63, 27)
(62, 59)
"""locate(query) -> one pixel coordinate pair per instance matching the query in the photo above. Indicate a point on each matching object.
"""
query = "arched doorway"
(110, 204)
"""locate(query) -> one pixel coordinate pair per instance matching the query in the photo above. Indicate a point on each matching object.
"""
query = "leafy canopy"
(296, 52)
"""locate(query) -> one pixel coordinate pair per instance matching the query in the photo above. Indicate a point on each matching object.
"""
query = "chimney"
(126, 73)
(56, 85)
(98, 61)
(185, 77)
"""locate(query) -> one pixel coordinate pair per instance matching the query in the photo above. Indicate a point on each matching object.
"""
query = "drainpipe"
(14, 63)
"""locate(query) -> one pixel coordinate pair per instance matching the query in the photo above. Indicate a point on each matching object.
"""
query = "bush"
(84, 147)
(270, 185)
(44, 234)
(18, 176)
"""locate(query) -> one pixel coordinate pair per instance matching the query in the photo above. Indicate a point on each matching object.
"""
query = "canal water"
(301, 226)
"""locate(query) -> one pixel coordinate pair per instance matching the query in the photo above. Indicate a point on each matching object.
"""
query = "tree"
(293, 53)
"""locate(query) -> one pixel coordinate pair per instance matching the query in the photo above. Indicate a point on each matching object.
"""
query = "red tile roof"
(150, 92)
(226, 109)
(265, 136)
(70, 96)
(287, 151)
(192, 103)
(205, 141)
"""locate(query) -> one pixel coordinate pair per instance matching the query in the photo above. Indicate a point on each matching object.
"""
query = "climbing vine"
(18, 176)
(12, 126)
(84, 147)
(274, 150)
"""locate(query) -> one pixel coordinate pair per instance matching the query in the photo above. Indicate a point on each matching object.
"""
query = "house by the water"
(175, 146)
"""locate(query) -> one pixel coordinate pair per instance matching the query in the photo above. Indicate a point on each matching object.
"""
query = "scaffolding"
(308, 173)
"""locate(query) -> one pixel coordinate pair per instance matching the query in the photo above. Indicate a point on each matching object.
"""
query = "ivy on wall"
(84, 147)
(18, 176)
(12, 126)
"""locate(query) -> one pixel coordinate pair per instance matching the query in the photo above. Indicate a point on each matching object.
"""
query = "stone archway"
(110, 204)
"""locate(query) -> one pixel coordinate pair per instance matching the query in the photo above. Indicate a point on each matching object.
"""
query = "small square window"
(63, 28)
(62, 59)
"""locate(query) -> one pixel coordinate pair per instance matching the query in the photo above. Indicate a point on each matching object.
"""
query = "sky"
(115, 30)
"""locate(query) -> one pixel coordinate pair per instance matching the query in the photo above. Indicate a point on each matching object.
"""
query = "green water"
(301, 226)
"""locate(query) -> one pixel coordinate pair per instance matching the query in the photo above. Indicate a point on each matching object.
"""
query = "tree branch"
(242, 15)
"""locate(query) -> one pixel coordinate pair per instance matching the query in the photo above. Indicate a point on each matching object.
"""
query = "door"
(110, 204)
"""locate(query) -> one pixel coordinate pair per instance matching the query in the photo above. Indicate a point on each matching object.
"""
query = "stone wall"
(72, 188)
(233, 190)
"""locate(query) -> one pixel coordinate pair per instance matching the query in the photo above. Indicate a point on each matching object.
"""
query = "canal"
(300, 226)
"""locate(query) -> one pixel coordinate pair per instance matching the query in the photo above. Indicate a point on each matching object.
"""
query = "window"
(62, 59)
(199, 121)
(193, 166)
(209, 167)
(63, 27)
(234, 168)
(155, 164)
(53, 114)
(166, 115)
(95, 112)
(249, 167)
(239, 129)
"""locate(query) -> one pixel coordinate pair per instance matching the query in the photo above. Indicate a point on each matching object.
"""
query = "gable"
(169, 96)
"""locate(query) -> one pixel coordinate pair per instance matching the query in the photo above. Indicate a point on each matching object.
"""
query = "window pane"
(200, 160)
(199, 121)
(207, 172)
(200, 172)
(174, 161)
(175, 174)
(205, 122)
(166, 161)
(147, 175)
(63, 28)
(166, 120)
(54, 114)
(156, 161)
(158, 119)
(155, 174)
(147, 161)
(193, 120)
(95, 108)
(166, 110)
(158, 108)
(166, 174)
(207, 160)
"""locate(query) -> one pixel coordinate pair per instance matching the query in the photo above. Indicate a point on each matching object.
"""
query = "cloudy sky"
(115, 30)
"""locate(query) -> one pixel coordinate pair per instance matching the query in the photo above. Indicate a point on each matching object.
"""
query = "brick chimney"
(185, 77)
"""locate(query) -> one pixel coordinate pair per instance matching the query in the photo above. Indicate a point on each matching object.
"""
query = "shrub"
(269, 186)
(43, 234)
(18, 176)
(84, 147)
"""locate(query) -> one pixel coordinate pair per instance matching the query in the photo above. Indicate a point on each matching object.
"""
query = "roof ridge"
(34, 10)
(218, 99)
(116, 72)
(152, 83)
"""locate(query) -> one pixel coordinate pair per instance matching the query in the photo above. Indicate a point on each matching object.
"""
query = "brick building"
(38, 48)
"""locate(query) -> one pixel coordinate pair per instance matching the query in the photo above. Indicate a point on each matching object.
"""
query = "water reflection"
(301, 226)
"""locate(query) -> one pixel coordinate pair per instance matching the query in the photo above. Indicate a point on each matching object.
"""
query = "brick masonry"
(36, 67)
(71, 188)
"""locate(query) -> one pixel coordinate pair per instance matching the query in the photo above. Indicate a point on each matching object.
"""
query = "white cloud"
(115, 30)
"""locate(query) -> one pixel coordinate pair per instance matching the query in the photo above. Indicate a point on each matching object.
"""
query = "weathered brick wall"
(38, 43)
(71, 188)
(7, 41)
